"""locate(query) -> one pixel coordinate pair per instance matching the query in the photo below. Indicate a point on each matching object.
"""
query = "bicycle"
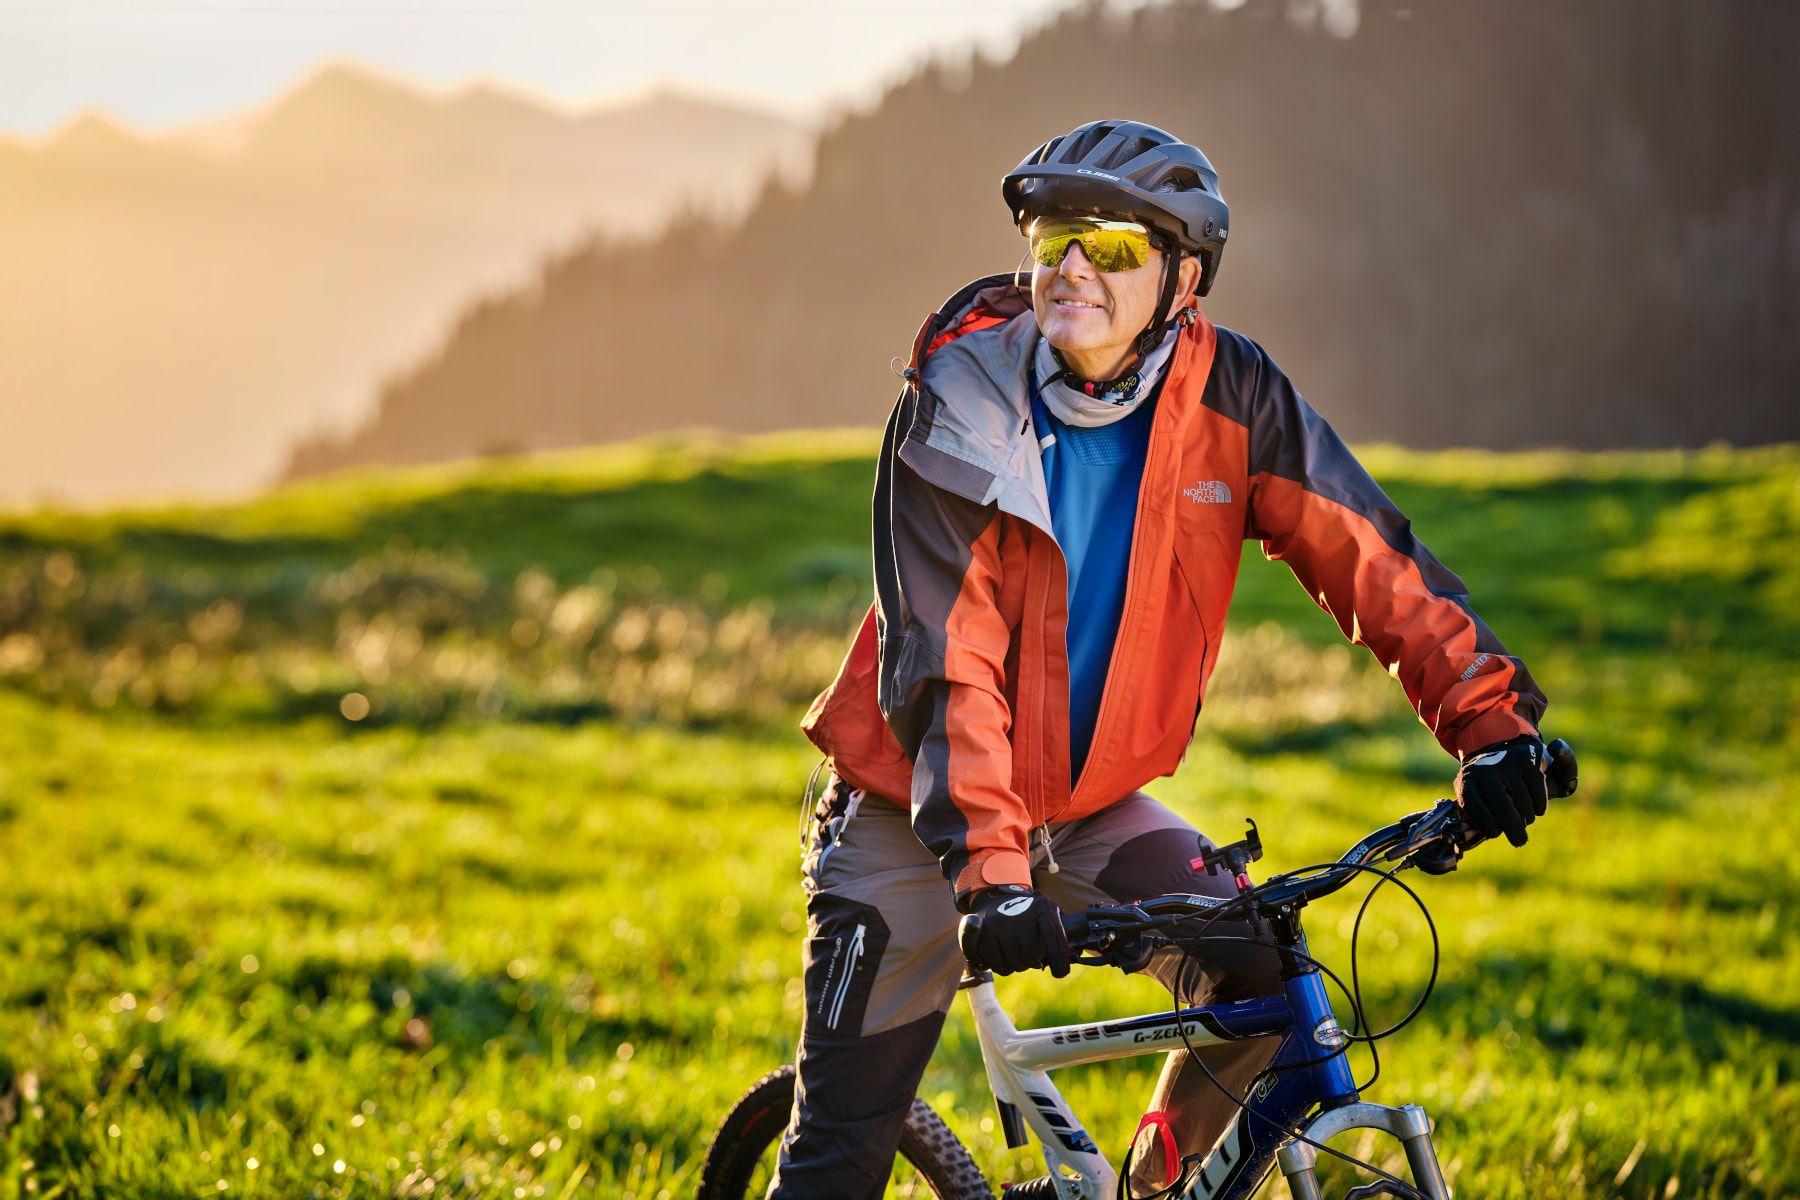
(1305, 1097)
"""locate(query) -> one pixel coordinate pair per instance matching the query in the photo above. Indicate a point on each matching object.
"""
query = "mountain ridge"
(173, 312)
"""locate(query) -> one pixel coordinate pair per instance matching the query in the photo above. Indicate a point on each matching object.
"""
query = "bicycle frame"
(1018, 1061)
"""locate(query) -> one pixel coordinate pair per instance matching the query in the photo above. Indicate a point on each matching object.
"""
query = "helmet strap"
(1159, 320)
(1118, 390)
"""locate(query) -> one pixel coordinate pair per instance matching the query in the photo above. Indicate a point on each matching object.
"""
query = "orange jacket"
(955, 693)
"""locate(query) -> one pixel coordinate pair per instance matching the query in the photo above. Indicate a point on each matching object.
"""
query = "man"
(1059, 505)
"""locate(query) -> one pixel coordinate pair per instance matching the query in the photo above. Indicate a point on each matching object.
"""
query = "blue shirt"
(1093, 477)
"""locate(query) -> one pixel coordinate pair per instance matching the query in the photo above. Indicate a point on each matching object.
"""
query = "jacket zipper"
(1037, 807)
(1133, 600)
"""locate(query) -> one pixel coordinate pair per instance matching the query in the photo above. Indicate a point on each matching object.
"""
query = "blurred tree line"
(1455, 222)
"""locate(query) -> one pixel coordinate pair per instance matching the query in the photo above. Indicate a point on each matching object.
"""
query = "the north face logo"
(1208, 491)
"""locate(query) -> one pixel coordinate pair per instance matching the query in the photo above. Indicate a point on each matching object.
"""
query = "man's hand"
(1012, 928)
(1501, 788)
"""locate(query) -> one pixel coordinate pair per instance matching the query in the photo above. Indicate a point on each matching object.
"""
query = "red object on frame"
(1171, 1154)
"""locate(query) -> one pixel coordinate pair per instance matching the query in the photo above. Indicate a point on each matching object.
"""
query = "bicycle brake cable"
(1410, 1191)
(1436, 957)
(1352, 995)
(1360, 1012)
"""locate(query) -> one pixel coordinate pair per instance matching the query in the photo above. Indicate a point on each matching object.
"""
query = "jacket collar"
(971, 428)
(971, 433)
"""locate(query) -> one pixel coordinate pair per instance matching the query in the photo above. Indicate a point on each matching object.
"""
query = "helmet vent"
(1181, 180)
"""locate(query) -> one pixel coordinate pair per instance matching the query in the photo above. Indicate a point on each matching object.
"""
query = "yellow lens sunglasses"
(1109, 245)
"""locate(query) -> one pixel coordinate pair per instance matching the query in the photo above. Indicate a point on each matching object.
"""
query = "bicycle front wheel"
(740, 1163)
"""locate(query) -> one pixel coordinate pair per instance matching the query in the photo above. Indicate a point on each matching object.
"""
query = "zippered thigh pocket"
(843, 957)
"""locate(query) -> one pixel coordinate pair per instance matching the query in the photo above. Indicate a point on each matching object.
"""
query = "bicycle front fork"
(1407, 1123)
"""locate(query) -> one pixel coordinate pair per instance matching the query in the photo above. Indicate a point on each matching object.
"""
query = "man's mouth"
(1075, 304)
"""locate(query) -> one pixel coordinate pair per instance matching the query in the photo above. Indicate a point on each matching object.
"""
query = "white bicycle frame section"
(1017, 1063)
(1018, 1060)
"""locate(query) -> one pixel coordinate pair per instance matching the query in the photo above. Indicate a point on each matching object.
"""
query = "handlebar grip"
(1561, 775)
(1075, 927)
(967, 931)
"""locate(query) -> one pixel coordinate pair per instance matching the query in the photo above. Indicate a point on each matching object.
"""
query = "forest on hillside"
(1467, 223)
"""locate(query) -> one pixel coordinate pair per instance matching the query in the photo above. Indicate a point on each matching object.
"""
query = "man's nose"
(1075, 263)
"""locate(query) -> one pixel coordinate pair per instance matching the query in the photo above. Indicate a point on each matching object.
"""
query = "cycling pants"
(882, 966)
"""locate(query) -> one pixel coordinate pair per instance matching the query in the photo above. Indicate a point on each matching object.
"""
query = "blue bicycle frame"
(1309, 1075)
(1308, 1090)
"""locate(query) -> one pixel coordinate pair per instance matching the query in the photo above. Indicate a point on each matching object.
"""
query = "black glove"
(1013, 928)
(1501, 788)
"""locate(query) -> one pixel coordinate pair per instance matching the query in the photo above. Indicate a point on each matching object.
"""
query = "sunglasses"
(1109, 245)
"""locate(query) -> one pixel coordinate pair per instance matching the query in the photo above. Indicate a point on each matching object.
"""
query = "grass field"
(433, 833)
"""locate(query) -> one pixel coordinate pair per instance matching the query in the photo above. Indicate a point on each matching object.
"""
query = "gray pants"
(882, 965)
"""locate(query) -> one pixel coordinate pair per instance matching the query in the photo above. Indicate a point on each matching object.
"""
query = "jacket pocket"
(1196, 598)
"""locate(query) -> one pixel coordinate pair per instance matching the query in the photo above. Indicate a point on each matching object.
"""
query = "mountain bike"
(1303, 1099)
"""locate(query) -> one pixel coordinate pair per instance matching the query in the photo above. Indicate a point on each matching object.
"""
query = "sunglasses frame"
(1100, 222)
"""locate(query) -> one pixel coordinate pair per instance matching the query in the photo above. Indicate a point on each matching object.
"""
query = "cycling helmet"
(1130, 169)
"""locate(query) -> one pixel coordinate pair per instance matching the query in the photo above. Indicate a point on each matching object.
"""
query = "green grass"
(530, 924)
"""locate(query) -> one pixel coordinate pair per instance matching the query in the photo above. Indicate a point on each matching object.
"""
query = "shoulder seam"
(1226, 388)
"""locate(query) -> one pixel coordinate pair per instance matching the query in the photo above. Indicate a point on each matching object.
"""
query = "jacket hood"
(970, 430)
(988, 301)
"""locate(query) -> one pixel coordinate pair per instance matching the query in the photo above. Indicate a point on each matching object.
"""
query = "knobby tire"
(746, 1142)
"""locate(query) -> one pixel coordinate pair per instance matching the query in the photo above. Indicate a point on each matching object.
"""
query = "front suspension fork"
(1408, 1123)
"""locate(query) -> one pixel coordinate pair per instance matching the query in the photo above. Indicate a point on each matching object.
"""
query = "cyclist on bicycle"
(1059, 504)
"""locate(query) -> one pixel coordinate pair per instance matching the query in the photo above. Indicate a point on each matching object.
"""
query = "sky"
(164, 63)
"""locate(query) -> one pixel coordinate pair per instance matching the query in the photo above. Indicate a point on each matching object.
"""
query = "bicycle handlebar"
(1435, 839)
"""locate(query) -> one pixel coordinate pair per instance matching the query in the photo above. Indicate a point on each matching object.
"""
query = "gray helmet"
(1129, 169)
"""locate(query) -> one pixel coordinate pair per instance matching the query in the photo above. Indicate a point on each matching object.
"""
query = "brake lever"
(1133, 952)
(1100, 924)
(1441, 859)
(1129, 950)
(1420, 830)
(1438, 840)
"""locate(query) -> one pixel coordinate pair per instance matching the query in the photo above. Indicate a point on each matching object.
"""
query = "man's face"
(1093, 317)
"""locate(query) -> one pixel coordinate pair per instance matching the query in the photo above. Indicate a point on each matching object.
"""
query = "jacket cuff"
(987, 868)
(1501, 725)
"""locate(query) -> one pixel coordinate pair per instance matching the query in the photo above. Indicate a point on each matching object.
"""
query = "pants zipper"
(851, 958)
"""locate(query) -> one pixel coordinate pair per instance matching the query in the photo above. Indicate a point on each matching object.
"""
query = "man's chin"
(1075, 340)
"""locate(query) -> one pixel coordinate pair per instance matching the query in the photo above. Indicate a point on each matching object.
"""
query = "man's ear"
(1187, 281)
